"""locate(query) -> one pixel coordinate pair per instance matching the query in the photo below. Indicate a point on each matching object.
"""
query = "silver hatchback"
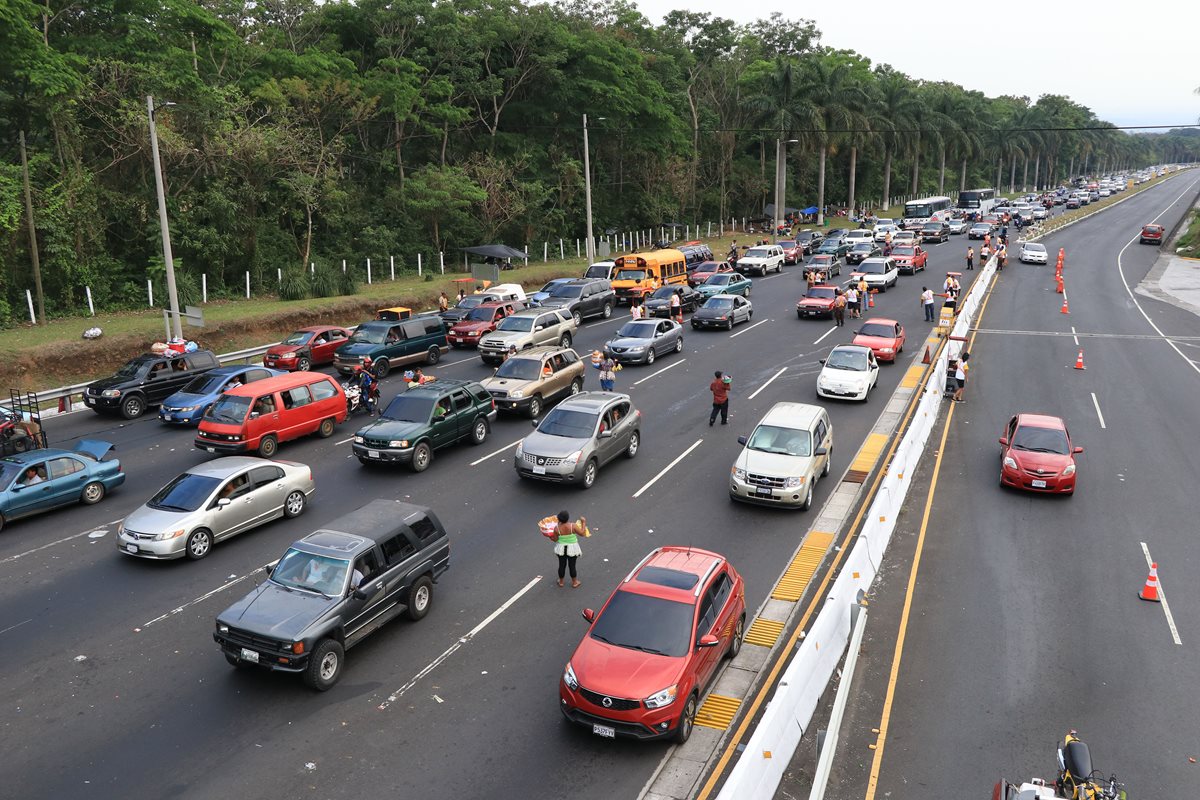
(577, 438)
(214, 501)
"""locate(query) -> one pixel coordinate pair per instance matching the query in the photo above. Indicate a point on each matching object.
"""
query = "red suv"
(642, 667)
(1152, 234)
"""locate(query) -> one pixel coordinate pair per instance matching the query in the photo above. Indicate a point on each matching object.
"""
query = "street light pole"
(587, 192)
(176, 322)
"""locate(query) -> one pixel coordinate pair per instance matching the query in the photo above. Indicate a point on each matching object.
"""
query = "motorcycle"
(355, 399)
(1076, 778)
(14, 438)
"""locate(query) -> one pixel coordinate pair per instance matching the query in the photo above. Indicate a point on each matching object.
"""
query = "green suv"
(426, 418)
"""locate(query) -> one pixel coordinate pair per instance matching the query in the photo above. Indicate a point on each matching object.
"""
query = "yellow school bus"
(637, 275)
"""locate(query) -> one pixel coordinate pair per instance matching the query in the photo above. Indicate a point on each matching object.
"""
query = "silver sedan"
(641, 341)
(214, 501)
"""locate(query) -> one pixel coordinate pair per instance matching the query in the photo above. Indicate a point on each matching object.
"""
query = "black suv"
(583, 298)
(146, 381)
(335, 587)
(426, 418)
(810, 240)
(659, 303)
(696, 254)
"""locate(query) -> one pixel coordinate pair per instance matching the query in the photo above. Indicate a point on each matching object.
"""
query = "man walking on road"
(927, 302)
(970, 257)
(839, 309)
(720, 392)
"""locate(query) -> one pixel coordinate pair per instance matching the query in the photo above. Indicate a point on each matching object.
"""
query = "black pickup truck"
(146, 381)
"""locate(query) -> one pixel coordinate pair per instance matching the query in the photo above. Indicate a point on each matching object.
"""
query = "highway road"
(114, 687)
(1024, 619)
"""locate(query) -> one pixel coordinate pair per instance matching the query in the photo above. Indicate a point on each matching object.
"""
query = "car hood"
(773, 463)
(184, 399)
(392, 429)
(504, 336)
(454, 314)
(558, 302)
(711, 313)
(1049, 463)
(875, 342)
(711, 290)
(624, 341)
(847, 376)
(542, 444)
(752, 259)
(145, 519)
(819, 302)
(280, 349)
(109, 382)
(659, 302)
(467, 327)
(357, 349)
(504, 384)
(623, 672)
(275, 612)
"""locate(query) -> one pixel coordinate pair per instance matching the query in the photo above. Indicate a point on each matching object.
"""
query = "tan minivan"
(529, 381)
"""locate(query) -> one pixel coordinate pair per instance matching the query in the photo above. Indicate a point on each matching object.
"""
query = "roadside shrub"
(325, 281)
(295, 285)
(347, 282)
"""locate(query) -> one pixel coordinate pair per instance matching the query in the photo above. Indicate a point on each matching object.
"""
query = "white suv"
(879, 272)
(761, 260)
(783, 457)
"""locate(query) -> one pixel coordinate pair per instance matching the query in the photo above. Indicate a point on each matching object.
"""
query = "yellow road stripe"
(795, 579)
(912, 377)
(718, 711)
(764, 632)
(866, 458)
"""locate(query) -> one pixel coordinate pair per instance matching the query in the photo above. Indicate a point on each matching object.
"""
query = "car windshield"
(8, 471)
(569, 424)
(313, 573)
(649, 624)
(707, 266)
(784, 441)
(631, 274)
(566, 291)
(515, 324)
(468, 302)
(368, 334)
(409, 408)
(719, 302)
(550, 285)
(1035, 248)
(719, 280)
(855, 360)
(873, 267)
(131, 369)
(638, 330)
(758, 252)
(228, 408)
(821, 260)
(904, 251)
(863, 247)
(933, 226)
(789, 245)
(481, 314)
(822, 293)
(205, 384)
(520, 369)
(186, 493)
(663, 293)
(1041, 440)
(299, 337)
(877, 329)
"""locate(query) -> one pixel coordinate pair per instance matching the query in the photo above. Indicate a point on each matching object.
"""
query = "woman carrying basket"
(565, 535)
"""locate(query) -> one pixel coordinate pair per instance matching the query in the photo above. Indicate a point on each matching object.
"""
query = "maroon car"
(792, 251)
(306, 348)
(706, 270)
(481, 320)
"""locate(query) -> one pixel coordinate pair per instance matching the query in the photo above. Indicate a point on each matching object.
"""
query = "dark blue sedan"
(188, 405)
(43, 480)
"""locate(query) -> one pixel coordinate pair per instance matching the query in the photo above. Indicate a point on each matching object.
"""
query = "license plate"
(132, 548)
(89, 401)
(211, 449)
(763, 491)
(372, 454)
(249, 655)
(1039, 484)
(539, 470)
(605, 731)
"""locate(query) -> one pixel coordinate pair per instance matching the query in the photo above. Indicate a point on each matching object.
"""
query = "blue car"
(538, 297)
(188, 405)
(42, 480)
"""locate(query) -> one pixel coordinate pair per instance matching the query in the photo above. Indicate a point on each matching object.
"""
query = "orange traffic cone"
(871, 299)
(1079, 361)
(1058, 284)
(927, 359)
(1065, 310)
(1150, 590)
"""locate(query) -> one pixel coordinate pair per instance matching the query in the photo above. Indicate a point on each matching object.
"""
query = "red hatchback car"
(793, 251)
(885, 337)
(706, 270)
(306, 348)
(1036, 454)
(1151, 234)
(642, 667)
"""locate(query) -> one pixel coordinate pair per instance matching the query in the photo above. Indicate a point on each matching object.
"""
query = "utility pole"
(168, 261)
(33, 245)
(587, 192)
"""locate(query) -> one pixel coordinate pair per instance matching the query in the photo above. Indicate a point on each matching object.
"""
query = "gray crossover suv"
(579, 436)
(525, 329)
(582, 298)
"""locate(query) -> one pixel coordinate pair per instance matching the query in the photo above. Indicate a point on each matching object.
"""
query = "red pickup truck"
(817, 302)
(910, 258)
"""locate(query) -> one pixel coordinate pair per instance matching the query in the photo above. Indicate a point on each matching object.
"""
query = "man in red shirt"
(720, 392)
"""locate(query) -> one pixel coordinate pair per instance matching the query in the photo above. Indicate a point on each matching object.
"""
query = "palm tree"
(896, 111)
(831, 95)
(779, 105)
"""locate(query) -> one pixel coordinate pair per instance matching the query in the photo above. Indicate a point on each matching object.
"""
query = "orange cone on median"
(1065, 310)
(1150, 590)
(1079, 361)
(928, 359)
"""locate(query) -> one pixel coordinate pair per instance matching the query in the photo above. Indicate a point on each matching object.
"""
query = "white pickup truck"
(761, 259)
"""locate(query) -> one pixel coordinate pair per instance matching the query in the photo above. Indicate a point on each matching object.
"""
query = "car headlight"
(885, 350)
(516, 394)
(738, 473)
(187, 408)
(398, 443)
(520, 451)
(162, 537)
(1010, 462)
(358, 439)
(573, 459)
(663, 698)
(472, 333)
(1070, 470)
(287, 355)
(569, 677)
(637, 348)
(111, 393)
(793, 482)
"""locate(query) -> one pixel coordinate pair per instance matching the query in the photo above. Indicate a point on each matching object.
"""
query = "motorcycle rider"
(368, 384)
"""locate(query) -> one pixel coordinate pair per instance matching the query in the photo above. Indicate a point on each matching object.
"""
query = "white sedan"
(1033, 253)
(849, 373)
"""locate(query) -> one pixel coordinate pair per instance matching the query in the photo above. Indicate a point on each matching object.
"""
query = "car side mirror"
(254, 415)
(534, 423)
(1078, 450)
(605, 435)
(741, 440)
(224, 501)
(18, 487)
(539, 327)
(1004, 441)
(589, 615)
(874, 365)
(708, 640)
(358, 594)
(822, 361)
(821, 451)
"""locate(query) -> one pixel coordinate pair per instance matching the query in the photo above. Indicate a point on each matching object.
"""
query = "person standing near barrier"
(927, 303)
(720, 392)
(970, 257)
(960, 376)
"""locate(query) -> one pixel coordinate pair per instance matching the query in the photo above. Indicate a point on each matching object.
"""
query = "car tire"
(565, 341)
(433, 356)
(92, 493)
(687, 720)
(326, 429)
(293, 505)
(199, 544)
(829, 458)
(535, 406)
(576, 387)
(635, 442)
(607, 312)
(382, 368)
(303, 365)
(650, 356)
(420, 595)
(268, 446)
(739, 634)
(132, 407)
(590, 470)
(808, 499)
(324, 666)
(479, 431)
(1, 522)
(679, 345)
(422, 456)
(578, 317)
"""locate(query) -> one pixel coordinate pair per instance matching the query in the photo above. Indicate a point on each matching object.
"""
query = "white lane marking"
(1074, 336)
(831, 330)
(496, 452)
(59, 541)
(1162, 596)
(750, 328)
(1096, 403)
(455, 363)
(768, 383)
(19, 624)
(667, 468)
(343, 441)
(611, 319)
(206, 595)
(1136, 304)
(660, 372)
(449, 651)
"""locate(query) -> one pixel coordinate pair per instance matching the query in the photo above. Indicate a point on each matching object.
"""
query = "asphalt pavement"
(1025, 620)
(115, 688)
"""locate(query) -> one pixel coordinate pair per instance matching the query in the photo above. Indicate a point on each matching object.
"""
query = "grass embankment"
(1188, 243)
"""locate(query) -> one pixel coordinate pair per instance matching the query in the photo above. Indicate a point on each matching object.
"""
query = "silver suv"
(582, 434)
(525, 329)
(527, 382)
(788, 450)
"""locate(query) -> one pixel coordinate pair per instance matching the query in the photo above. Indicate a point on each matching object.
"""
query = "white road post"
(204, 287)
(562, 254)
(279, 275)
(149, 291)
(392, 264)
(312, 268)
(247, 284)
(368, 272)
(577, 248)
(418, 265)
(545, 252)
(442, 261)
(91, 308)
(343, 266)
(29, 299)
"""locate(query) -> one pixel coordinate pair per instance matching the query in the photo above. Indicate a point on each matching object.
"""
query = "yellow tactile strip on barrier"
(795, 579)
(868, 454)
(912, 377)
(763, 632)
(718, 711)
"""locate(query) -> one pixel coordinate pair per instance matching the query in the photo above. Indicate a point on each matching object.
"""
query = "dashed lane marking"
(667, 468)
(205, 596)
(496, 452)
(768, 383)
(59, 541)
(1162, 595)
(660, 372)
(747, 330)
